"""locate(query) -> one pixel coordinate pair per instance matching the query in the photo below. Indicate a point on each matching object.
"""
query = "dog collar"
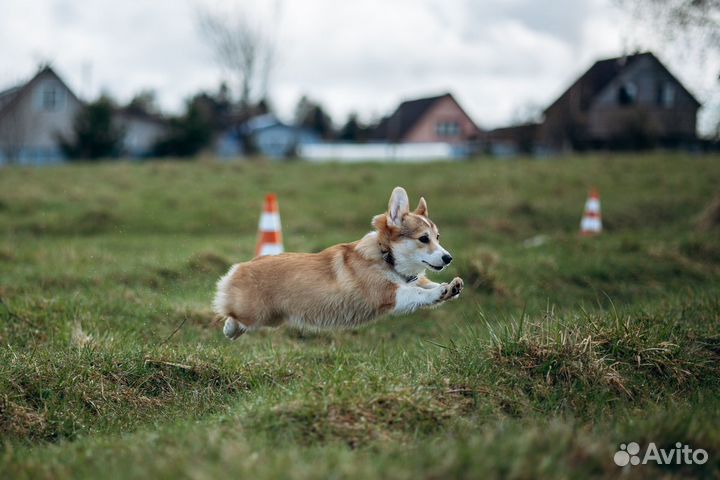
(390, 260)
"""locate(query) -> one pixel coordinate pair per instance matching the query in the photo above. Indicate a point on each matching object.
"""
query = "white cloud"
(495, 55)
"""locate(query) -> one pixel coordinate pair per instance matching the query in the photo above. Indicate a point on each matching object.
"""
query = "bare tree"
(692, 25)
(527, 113)
(244, 46)
(677, 18)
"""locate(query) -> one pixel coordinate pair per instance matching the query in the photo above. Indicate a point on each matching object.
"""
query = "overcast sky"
(497, 56)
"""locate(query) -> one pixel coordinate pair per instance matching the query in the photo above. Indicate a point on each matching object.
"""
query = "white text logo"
(680, 455)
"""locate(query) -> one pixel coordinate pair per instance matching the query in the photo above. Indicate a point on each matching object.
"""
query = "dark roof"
(512, 132)
(9, 96)
(262, 122)
(397, 125)
(603, 72)
(6, 95)
(137, 113)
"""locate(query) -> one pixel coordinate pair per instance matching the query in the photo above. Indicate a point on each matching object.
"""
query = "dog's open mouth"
(433, 266)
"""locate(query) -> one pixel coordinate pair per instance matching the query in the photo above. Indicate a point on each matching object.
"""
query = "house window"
(666, 95)
(447, 129)
(627, 94)
(50, 97)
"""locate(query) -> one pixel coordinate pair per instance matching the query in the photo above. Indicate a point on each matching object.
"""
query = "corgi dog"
(345, 285)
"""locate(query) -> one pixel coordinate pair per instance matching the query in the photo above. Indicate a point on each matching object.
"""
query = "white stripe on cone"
(592, 205)
(271, 249)
(269, 222)
(590, 224)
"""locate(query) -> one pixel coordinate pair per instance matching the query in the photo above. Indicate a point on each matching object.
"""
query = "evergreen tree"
(353, 130)
(311, 115)
(190, 132)
(94, 133)
(145, 101)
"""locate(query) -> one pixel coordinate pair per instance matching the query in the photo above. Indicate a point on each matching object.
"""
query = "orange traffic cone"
(269, 232)
(591, 223)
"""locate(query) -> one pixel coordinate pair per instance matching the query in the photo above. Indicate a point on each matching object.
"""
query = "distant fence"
(33, 156)
(381, 152)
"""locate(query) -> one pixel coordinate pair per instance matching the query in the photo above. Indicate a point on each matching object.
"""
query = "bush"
(95, 135)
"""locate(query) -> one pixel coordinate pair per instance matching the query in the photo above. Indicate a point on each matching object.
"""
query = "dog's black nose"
(447, 259)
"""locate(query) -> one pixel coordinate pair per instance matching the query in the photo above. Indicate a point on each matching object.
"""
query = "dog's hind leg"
(233, 329)
(225, 304)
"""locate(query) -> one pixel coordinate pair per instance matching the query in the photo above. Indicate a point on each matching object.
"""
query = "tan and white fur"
(345, 285)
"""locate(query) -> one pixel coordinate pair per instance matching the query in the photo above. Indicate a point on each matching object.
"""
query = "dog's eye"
(438, 237)
(424, 239)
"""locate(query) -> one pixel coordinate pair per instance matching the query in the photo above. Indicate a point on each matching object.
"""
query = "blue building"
(269, 137)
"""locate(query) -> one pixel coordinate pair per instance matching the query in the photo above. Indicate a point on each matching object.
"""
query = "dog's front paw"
(450, 291)
(444, 290)
(447, 291)
(455, 287)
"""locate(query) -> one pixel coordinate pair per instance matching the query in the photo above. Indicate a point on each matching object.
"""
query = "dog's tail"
(221, 302)
(221, 306)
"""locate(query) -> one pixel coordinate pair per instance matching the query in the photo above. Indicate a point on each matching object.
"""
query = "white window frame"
(447, 128)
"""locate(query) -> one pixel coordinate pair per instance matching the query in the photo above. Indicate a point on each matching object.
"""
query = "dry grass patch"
(480, 273)
(710, 216)
(19, 421)
(586, 363)
(50, 395)
(390, 416)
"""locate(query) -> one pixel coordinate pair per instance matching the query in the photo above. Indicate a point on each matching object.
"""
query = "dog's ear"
(379, 223)
(422, 208)
(398, 207)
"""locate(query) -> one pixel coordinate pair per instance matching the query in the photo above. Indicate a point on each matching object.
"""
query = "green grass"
(560, 349)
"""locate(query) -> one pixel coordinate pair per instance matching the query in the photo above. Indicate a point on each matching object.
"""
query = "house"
(626, 102)
(425, 129)
(142, 131)
(511, 141)
(267, 135)
(438, 119)
(32, 117)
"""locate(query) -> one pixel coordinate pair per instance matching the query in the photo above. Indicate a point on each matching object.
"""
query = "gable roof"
(407, 114)
(261, 122)
(135, 113)
(396, 125)
(512, 132)
(602, 72)
(9, 96)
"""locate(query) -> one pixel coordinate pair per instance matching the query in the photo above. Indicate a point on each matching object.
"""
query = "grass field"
(560, 349)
